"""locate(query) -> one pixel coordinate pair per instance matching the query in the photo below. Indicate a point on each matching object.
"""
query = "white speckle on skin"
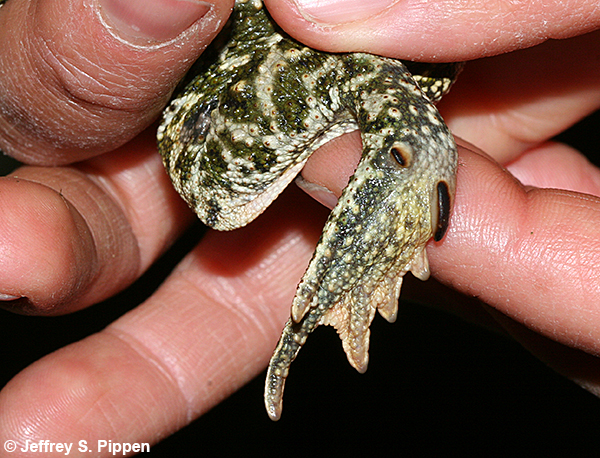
(239, 134)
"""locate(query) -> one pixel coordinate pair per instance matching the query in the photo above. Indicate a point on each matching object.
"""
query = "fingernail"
(340, 11)
(8, 297)
(156, 20)
(319, 193)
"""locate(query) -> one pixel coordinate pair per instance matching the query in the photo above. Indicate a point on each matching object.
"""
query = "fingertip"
(65, 242)
(384, 27)
(159, 20)
(328, 170)
(39, 262)
(318, 192)
(441, 31)
(556, 165)
(340, 11)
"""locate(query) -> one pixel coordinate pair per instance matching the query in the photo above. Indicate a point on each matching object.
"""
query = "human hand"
(166, 364)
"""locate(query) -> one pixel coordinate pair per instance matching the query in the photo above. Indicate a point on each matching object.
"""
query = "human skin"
(76, 105)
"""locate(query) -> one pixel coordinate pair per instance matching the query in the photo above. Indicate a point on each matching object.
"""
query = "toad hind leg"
(399, 198)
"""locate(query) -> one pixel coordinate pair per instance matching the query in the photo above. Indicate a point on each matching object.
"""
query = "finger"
(504, 238)
(208, 330)
(72, 236)
(554, 165)
(453, 30)
(530, 253)
(80, 78)
(328, 170)
(507, 104)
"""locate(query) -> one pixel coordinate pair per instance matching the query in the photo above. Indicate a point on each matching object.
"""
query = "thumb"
(435, 31)
(81, 77)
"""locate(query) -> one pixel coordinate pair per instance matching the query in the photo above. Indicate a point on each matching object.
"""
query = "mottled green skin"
(243, 129)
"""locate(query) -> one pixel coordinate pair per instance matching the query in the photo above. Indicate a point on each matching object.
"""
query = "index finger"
(531, 253)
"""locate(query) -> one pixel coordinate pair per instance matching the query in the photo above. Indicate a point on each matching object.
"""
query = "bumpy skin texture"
(243, 129)
(245, 126)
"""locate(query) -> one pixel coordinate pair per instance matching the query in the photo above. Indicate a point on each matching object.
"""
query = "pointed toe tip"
(273, 409)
